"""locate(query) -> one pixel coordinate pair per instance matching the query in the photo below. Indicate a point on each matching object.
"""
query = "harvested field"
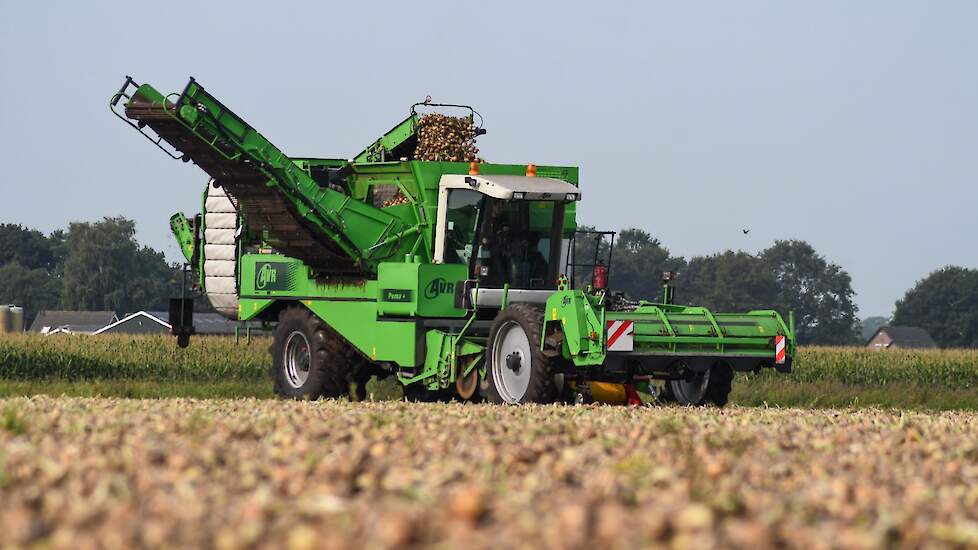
(87, 473)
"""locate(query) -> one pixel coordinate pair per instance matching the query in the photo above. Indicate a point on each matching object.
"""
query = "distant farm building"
(901, 337)
(205, 324)
(71, 322)
(141, 322)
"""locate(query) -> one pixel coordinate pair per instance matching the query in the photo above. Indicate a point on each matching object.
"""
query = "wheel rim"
(297, 359)
(511, 358)
(692, 391)
(466, 385)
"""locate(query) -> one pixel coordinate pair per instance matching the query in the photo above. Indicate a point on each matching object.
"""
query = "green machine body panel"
(357, 309)
(348, 306)
(411, 289)
(183, 232)
(387, 146)
(581, 320)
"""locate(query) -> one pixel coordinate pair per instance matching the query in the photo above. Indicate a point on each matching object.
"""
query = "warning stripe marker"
(620, 335)
(779, 349)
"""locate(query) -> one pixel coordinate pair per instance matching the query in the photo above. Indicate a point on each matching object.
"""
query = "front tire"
(518, 371)
(308, 359)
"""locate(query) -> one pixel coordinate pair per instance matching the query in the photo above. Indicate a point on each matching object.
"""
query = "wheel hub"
(691, 390)
(297, 359)
(514, 361)
(511, 347)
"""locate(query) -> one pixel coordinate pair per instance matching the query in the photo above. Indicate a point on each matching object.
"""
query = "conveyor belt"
(262, 205)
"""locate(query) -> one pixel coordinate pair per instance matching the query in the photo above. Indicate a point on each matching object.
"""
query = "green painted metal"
(385, 147)
(182, 232)
(385, 310)
(664, 329)
(447, 355)
(348, 305)
(375, 316)
(365, 233)
(414, 289)
(580, 316)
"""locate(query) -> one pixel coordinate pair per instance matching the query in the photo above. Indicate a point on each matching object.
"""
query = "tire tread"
(542, 388)
(328, 372)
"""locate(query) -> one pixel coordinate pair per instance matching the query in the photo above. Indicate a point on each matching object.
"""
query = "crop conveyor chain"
(262, 205)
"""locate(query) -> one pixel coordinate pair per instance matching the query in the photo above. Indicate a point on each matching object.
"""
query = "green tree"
(105, 268)
(32, 289)
(638, 262)
(27, 247)
(58, 241)
(729, 281)
(29, 272)
(818, 292)
(945, 303)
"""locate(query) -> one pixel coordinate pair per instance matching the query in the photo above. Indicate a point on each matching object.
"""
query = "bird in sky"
(427, 99)
(746, 231)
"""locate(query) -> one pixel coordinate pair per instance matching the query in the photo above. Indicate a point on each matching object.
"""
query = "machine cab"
(505, 229)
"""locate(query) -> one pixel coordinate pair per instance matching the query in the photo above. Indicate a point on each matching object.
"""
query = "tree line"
(945, 303)
(101, 266)
(90, 266)
(789, 276)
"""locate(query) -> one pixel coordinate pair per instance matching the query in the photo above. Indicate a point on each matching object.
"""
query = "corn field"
(145, 357)
(957, 368)
(823, 376)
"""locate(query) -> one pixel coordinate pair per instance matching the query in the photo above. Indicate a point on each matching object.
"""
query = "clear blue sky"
(852, 125)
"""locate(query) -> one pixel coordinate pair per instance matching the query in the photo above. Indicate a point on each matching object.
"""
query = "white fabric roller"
(218, 236)
(220, 220)
(218, 268)
(220, 251)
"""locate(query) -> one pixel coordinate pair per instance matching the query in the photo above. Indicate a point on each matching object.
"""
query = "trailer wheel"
(518, 370)
(721, 382)
(308, 360)
(710, 387)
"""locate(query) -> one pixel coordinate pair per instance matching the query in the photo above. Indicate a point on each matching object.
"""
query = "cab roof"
(505, 187)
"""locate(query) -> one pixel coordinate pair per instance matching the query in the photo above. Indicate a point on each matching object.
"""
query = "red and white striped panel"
(621, 336)
(779, 349)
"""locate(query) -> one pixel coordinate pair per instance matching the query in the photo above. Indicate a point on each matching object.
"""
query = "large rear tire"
(709, 387)
(308, 359)
(518, 371)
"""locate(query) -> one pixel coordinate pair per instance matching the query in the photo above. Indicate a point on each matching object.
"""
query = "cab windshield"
(516, 242)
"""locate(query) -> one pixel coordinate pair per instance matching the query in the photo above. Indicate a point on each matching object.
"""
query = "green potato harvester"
(471, 285)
